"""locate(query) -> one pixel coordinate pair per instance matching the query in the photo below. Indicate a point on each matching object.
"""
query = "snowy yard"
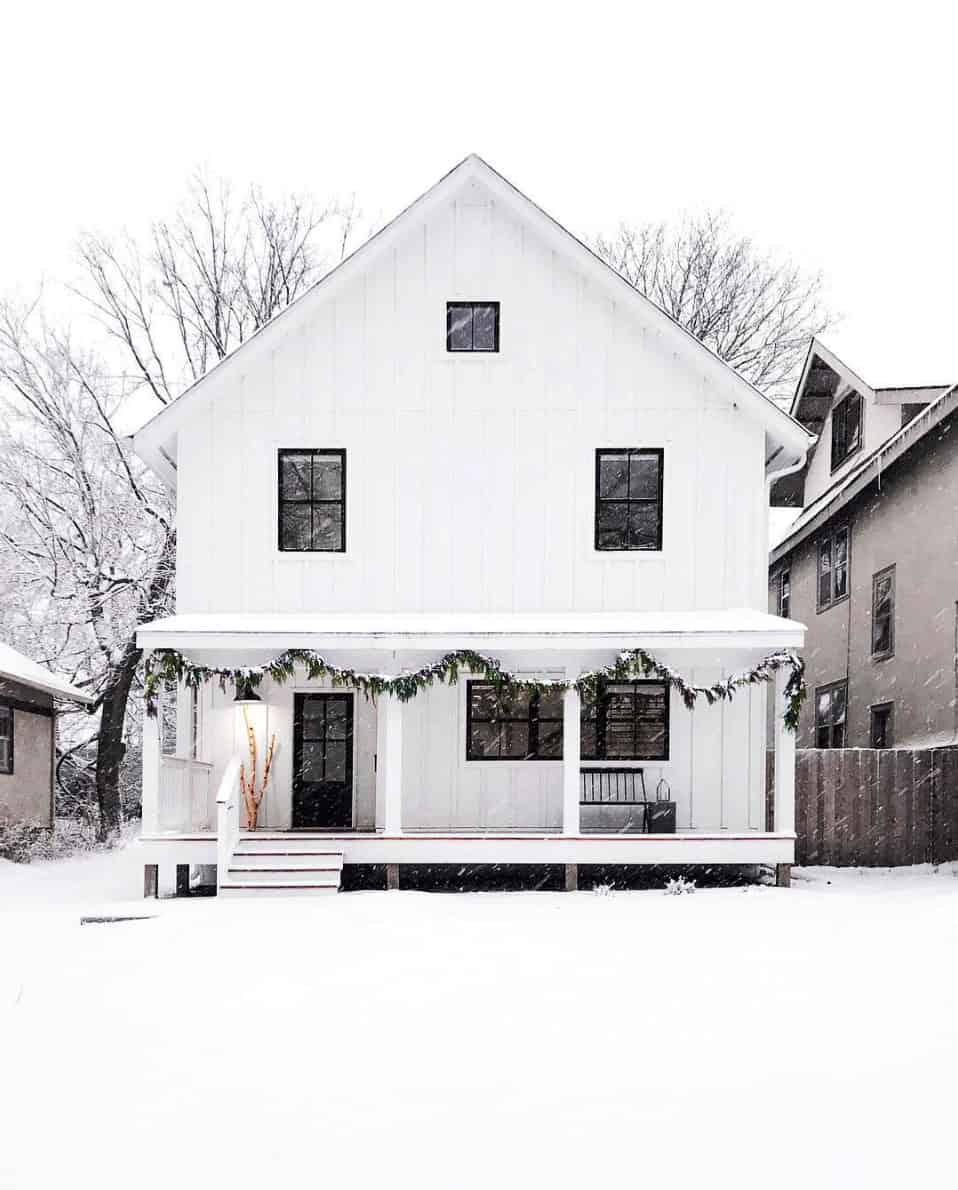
(805, 1037)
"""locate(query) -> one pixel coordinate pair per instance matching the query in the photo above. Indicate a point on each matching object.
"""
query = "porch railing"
(185, 795)
(227, 818)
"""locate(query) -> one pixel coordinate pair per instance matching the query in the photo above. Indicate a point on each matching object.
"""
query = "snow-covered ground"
(805, 1037)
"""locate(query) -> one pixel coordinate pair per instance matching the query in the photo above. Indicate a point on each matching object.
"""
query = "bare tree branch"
(756, 312)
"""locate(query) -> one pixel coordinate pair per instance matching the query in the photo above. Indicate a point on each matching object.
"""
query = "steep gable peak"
(474, 180)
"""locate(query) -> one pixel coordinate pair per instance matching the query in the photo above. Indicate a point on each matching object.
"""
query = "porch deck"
(503, 847)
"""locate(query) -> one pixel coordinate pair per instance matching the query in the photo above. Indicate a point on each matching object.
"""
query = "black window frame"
(876, 712)
(831, 540)
(830, 689)
(880, 576)
(601, 705)
(10, 716)
(312, 502)
(658, 452)
(532, 718)
(842, 448)
(472, 306)
(785, 593)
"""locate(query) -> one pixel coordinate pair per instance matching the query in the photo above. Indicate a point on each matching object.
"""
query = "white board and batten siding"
(470, 487)
(470, 478)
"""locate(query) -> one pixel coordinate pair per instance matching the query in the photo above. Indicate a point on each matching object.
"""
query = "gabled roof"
(155, 442)
(18, 668)
(865, 471)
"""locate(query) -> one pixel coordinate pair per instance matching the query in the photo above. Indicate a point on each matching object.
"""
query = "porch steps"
(271, 865)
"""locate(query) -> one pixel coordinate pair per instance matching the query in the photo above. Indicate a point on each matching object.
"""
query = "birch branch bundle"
(253, 795)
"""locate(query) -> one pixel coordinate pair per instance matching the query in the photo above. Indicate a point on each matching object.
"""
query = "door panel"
(323, 761)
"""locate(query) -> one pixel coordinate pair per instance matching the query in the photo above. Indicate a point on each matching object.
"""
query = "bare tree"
(87, 537)
(756, 312)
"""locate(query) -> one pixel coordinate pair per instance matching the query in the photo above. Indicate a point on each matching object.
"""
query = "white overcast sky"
(828, 131)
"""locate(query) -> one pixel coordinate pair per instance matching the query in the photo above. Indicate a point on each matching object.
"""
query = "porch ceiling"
(568, 632)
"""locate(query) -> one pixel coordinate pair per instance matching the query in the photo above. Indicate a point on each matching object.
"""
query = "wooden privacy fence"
(874, 807)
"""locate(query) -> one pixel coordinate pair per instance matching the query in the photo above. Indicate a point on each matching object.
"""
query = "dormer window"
(472, 326)
(846, 428)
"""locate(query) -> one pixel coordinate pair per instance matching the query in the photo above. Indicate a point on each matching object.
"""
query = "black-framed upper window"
(312, 501)
(881, 733)
(883, 613)
(785, 593)
(846, 428)
(472, 326)
(512, 725)
(628, 498)
(628, 721)
(6, 739)
(830, 715)
(832, 567)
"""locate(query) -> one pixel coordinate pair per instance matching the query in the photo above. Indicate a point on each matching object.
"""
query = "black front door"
(323, 761)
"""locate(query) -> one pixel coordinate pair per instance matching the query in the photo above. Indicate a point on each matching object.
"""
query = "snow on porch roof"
(740, 628)
(18, 668)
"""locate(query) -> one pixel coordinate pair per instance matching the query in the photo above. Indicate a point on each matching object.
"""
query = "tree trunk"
(116, 695)
(110, 746)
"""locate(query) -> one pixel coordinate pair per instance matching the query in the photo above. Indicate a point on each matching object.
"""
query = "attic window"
(472, 326)
(846, 428)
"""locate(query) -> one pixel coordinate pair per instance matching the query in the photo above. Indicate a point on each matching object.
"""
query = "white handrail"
(227, 818)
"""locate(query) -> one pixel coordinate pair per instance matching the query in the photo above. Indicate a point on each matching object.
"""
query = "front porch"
(411, 789)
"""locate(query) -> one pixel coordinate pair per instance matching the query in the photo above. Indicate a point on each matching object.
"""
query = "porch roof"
(736, 628)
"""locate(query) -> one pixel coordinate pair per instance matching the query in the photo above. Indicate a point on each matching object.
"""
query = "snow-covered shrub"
(679, 885)
(22, 843)
(602, 890)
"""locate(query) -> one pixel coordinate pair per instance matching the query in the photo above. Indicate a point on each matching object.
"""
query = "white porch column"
(784, 761)
(389, 765)
(150, 786)
(570, 761)
(184, 720)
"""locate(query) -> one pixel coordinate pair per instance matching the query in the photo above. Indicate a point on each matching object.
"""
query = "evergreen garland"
(168, 665)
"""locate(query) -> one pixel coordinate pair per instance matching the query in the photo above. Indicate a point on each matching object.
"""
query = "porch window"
(512, 725)
(830, 715)
(628, 721)
(472, 326)
(312, 501)
(832, 568)
(846, 428)
(883, 614)
(6, 739)
(628, 499)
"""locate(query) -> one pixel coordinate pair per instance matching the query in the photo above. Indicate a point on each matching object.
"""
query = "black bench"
(626, 787)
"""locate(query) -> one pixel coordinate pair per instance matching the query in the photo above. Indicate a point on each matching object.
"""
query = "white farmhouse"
(470, 435)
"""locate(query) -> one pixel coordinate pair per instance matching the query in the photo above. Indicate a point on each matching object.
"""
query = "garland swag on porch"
(169, 665)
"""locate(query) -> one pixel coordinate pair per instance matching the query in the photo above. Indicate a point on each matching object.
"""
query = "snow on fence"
(874, 807)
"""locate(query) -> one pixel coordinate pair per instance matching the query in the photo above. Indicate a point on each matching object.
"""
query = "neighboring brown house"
(870, 565)
(28, 694)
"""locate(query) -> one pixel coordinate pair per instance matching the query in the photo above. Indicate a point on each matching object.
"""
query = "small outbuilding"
(28, 697)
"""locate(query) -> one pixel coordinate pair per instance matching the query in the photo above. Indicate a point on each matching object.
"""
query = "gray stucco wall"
(911, 523)
(26, 793)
